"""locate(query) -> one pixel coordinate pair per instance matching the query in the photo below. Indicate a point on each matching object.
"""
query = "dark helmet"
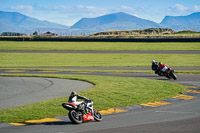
(74, 93)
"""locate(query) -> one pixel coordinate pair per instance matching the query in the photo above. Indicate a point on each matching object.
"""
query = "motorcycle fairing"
(88, 117)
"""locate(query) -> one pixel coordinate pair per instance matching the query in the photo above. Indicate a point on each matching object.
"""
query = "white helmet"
(153, 61)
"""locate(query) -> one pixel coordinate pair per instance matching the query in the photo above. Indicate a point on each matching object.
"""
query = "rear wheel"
(97, 115)
(76, 117)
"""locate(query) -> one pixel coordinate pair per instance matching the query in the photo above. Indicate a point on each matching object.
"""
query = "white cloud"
(69, 15)
(181, 7)
(123, 7)
(21, 8)
(196, 8)
(178, 8)
(88, 11)
(80, 6)
(91, 8)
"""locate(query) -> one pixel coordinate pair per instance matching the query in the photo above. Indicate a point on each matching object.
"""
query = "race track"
(180, 116)
(18, 91)
(159, 119)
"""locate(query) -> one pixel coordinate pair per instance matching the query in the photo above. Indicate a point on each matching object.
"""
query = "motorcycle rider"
(162, 67)
(155, 66)
(73, 98)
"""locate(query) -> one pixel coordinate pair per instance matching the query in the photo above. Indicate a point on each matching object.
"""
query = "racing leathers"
(163, 67)
(73, 98)
(154, 66)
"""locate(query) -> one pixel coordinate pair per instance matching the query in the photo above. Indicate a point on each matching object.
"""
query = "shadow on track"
(48, 123)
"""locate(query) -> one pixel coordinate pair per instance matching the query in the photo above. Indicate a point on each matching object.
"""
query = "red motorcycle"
(169, 73)
(82, 113)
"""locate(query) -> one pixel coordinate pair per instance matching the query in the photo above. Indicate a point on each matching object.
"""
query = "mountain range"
(177, 23)
(16, 22)
(115, 21)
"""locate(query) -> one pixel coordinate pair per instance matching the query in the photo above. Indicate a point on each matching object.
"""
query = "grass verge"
(17, 45)
(81, 60)
(108, 92)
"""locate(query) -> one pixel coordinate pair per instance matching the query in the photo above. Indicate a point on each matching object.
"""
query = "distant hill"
(190, 22)
(123, 21)
(150, 31)
(115, 21)
(16, 22)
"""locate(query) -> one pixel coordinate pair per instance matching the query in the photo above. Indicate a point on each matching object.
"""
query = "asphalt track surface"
(18, 91)
(180, 116)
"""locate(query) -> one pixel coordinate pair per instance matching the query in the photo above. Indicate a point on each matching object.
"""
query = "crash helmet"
(74, 93)
(153, 61)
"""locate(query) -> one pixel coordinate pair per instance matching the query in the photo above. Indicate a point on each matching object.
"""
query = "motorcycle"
(169, 73)
(82, 113)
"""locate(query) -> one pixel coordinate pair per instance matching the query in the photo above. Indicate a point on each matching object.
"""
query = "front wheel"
(75, 117)
(173, 76)
(97, 115)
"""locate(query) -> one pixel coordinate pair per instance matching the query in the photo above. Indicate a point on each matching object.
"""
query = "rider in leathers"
(162, 67)
(73, 99)
(155, 66)
(159, 68)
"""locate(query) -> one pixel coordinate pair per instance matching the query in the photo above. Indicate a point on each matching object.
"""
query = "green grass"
(17, 45)
(108, 92)
(62, 59)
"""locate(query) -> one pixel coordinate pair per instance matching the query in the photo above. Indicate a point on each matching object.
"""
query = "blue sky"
(67, 12)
